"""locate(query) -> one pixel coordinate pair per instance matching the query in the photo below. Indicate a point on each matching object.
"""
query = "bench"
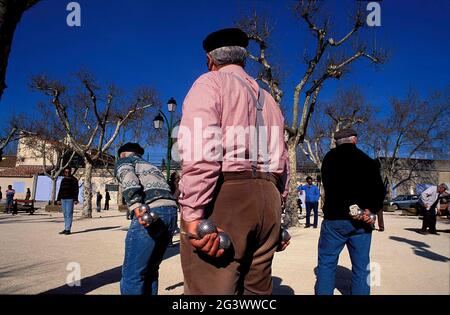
(26, 205)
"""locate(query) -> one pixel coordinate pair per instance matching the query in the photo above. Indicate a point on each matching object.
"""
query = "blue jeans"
(9, 204)
(334, 234)
(144, 251)
(315, 207)
(67, 209)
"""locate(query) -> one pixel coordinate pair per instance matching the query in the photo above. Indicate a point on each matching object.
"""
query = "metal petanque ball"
(205, 227)
(373, 217)
(285, 236)
(148, 216)
(356, 211)
(144, 208)
(224, 241)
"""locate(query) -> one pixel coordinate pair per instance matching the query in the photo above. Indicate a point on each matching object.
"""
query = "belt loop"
(253, 171)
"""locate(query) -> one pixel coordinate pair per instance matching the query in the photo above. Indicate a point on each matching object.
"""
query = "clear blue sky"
(158, 43)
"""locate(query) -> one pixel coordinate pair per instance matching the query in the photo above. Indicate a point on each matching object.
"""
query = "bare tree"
(4, 141)
(412, 130)
(318, 71)
(92, 120)
(48, 144)
(55, 156)
(11, 12)
(348, 110)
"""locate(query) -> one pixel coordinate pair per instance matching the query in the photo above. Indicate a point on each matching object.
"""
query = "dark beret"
(225, 37)
(131, 147)
(345, 133)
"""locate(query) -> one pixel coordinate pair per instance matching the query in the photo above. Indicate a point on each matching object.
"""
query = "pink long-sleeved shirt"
(217, 134)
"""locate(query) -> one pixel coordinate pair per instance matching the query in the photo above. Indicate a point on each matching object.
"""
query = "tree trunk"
(290, 218)
(87, 190)
(10, 15)
(53, 195)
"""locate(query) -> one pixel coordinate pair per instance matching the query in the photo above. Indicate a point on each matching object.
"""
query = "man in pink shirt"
(228, 176)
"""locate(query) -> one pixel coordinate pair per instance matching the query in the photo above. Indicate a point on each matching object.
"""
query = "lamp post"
(158, 122)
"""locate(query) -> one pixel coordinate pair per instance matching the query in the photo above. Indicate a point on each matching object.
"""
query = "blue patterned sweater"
(142, 183)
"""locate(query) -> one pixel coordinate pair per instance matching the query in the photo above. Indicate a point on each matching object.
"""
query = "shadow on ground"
(417, 230)
(343, 280)
(421, 249)
(103, 278)
(278, 287)
(281, 289)
(89, 284)
(104, 228)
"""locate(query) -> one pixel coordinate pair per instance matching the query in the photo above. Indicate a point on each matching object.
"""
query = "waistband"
(250, 175)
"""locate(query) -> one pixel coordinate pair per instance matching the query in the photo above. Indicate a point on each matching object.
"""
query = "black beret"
(345, 133)
(131, 147)
(225, 37)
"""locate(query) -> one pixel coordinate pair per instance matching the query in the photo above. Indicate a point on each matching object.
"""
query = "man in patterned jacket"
(145, 244)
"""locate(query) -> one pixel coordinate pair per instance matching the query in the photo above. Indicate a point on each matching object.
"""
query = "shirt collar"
(234, 69)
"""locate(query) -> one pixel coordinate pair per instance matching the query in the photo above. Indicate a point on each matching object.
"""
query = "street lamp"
(171, 105)
(158, 122)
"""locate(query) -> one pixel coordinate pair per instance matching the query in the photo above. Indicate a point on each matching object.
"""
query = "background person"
(67, 198)
(300, 197)
(10, 192)
(107, 199)
(99, 201)
(312, 201)
(430, 199)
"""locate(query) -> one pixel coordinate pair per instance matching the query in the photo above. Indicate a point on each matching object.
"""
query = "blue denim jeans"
(315, 207)
(144, 251)
(67, 209)
(334, 234)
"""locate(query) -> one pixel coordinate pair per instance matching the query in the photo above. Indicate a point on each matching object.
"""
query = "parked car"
(405, 201)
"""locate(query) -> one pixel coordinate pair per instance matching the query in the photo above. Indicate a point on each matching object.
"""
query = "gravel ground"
(35, 259)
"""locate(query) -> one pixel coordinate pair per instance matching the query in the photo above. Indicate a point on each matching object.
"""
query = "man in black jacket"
(350, 177)
(67, 197)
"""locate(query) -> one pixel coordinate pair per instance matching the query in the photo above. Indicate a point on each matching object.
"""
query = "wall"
(17, 183)
(29, 156)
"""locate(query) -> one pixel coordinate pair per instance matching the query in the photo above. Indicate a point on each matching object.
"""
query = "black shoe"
(67, 233)
(63, 232)
(380, 229)
(315, 226)
(307, 226)
(423, 232)
(434, 233)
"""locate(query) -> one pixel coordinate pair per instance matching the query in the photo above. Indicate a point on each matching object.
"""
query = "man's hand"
(208, 245)
(283, 245)
(366, 217)
(138, 215)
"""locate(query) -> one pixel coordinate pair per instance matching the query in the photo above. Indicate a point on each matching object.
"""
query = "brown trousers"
(249, 211)
(380, 219)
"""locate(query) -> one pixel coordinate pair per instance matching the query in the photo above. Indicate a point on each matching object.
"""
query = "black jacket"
(68, 189)
(350, 177)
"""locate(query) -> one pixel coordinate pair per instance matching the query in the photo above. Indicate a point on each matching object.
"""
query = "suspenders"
(261, 132)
